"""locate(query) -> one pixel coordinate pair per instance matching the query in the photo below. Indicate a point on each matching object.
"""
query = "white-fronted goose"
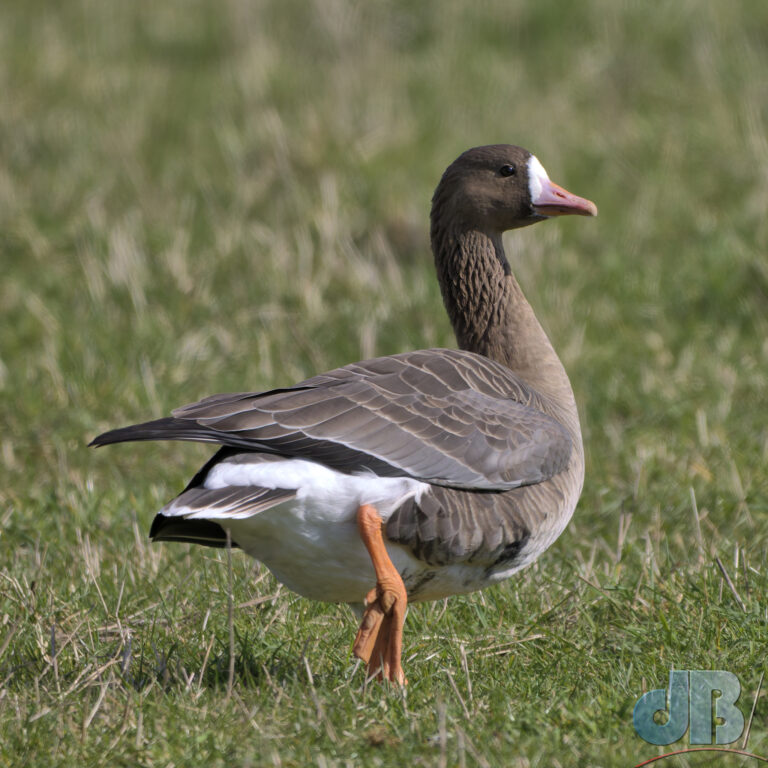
(413, 476)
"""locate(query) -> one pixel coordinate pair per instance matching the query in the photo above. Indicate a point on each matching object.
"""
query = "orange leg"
(379, 641)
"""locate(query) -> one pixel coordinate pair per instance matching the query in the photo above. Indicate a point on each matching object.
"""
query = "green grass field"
(201, 196)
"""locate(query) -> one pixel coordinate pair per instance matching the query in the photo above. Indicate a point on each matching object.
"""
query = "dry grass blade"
(748, 729)
(230, 617)
(730, 584)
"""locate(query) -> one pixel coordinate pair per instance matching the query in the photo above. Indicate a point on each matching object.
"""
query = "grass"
(199, 197)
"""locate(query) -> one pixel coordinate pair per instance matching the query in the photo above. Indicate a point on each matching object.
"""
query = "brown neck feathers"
(489, 313)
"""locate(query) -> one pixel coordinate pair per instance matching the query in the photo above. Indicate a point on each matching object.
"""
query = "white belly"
(325, 560)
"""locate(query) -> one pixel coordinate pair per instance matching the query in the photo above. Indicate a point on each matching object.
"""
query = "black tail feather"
(204, 532)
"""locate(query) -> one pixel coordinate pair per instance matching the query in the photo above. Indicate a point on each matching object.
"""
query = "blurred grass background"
(207, 196)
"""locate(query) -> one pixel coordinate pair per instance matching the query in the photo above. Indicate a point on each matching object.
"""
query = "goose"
(414, 476)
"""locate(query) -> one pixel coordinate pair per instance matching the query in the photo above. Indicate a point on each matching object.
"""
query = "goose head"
(499, 187)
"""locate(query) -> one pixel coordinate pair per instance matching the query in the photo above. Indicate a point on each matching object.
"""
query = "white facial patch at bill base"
(536, 178)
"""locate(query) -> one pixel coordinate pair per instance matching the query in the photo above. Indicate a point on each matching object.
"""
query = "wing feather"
(448, 417)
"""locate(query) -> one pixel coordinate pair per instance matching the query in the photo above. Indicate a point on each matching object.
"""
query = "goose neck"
(489, 312)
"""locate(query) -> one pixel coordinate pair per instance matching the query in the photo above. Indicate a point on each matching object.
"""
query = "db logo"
(696, 698)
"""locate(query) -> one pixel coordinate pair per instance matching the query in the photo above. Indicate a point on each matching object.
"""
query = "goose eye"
(507, 170)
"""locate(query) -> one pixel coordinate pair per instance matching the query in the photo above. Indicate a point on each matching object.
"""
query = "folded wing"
(447, 417)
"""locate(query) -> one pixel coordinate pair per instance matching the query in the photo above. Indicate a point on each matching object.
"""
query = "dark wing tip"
(167, 428)
(107, 438)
